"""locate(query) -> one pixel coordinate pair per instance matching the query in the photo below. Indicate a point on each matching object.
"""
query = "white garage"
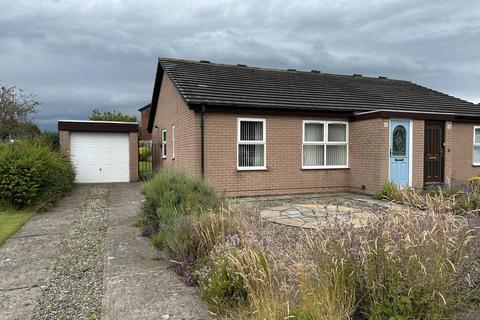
(101, 151)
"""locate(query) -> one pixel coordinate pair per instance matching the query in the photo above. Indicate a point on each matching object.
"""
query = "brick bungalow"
(255, 131)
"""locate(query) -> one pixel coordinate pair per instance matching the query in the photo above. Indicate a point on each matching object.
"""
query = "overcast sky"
(78, 54)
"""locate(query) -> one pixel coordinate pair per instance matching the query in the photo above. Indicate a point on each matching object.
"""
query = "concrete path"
(138, 284)
(27, 258)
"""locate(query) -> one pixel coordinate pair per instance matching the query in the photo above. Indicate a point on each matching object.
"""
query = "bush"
(144, 153)
(237, 274)
(177, 216)
(50, 139)
(389, 191)
(174, 194)
(33, 175)
(405, 265)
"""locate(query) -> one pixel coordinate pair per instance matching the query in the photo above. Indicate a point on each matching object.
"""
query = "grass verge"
(11, 221)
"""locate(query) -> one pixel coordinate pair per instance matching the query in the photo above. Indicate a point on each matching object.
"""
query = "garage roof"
(97, 126)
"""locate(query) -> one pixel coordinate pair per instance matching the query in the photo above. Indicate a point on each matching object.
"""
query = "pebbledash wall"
(368, 151)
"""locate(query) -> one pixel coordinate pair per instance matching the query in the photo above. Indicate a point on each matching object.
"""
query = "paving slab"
(27, 258)
(138, 282)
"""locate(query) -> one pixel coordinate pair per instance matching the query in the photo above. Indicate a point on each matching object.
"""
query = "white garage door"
(100, 157)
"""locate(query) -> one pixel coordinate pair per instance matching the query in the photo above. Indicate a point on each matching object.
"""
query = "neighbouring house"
(255, 131)
(144, 115)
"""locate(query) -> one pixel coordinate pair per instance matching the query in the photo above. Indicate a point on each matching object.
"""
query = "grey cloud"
(78, 54)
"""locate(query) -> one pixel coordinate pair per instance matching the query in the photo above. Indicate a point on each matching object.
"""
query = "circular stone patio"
(316, 215)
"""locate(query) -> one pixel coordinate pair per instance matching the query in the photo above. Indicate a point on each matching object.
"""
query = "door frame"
(442, 176)
(410, 147)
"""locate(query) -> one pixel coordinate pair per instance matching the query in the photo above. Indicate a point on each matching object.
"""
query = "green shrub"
(174, 194)
(235, 276)
(144, 153)
(448, 190)
(474, 184)
(33, 175)
(50, 139)
(389, 191)
(404, 265)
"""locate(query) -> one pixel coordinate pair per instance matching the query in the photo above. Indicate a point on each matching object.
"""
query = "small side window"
(164, 143)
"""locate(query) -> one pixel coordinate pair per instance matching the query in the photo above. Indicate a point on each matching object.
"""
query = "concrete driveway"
(86, 259)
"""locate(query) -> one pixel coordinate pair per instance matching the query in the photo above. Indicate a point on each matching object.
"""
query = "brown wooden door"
(434, 139)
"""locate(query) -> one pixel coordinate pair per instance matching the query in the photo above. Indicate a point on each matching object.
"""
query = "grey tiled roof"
(241, 86)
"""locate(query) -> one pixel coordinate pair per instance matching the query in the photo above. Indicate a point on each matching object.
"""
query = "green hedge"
(33, 175)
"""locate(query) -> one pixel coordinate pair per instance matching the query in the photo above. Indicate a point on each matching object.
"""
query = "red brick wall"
(144, 134)
(133, 145)
(418, 144)
(368, 154)
(462, 152)
(172, 110)
(284, 174)
(64, 141)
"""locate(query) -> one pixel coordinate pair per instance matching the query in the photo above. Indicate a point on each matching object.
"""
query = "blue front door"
(400, 152)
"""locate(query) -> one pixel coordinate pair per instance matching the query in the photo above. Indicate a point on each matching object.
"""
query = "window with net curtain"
(251, 144)
(476, 146)
(325, 144)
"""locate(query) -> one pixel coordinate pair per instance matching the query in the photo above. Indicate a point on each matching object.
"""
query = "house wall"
(462, 152)
(144, 134)
(369, 147)
(418, 153)
(172, 110)
(284, 174)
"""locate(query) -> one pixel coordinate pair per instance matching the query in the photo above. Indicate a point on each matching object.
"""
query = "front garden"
(32, 177)
(404, 264)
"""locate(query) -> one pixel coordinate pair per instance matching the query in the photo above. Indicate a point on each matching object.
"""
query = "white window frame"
(325, 143)
(173, 142)
(263, 142)
(474, 145)
(164, 143)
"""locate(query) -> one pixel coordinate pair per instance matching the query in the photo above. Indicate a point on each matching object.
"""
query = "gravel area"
(288, 237)
(74, 290)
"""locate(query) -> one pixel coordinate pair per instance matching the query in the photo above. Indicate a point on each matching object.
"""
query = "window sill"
(325, 168)
(475, 164)
(252, 169)
(164, 158)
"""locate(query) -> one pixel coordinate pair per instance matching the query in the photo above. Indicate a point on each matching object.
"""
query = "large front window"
(251, 144)
(325, 144)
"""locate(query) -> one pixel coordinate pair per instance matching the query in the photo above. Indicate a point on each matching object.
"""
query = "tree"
(15, 108)
(114, 115)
